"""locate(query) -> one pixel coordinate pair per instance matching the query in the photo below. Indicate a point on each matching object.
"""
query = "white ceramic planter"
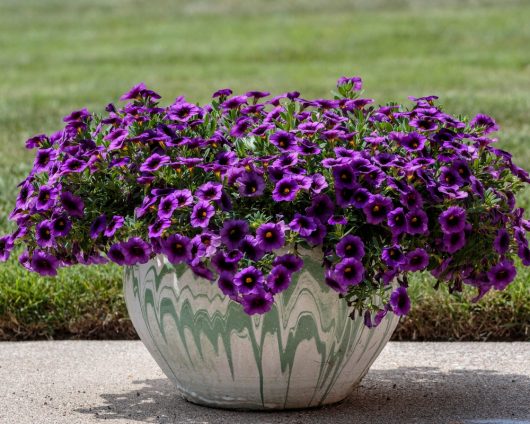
(305, 352)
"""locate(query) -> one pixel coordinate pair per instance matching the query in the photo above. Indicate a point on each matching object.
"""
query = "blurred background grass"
(56, 56)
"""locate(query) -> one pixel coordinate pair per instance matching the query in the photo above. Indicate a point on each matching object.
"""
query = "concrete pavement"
(118, 382)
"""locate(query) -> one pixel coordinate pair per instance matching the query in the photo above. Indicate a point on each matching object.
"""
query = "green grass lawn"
(56, 56)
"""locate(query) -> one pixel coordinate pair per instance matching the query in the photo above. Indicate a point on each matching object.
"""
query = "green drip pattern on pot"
(207, 324)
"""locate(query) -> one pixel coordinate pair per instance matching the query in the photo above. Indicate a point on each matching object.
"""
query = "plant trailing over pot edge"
(383, 191)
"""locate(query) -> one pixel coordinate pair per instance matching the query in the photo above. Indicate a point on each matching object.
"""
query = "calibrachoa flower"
(239, 189)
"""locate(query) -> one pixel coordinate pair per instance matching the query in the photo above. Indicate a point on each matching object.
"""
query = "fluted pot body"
(305, 352)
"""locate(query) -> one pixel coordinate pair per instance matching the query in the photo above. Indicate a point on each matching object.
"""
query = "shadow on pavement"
(403, 395)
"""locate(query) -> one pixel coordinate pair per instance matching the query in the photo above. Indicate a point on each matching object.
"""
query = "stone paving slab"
(118, 382)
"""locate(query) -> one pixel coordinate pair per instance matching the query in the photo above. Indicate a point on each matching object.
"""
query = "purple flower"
(502, 241)
(453, 242)
(285, 190)
(523, 252)
(249, 280)
(157, 228)
(226, 284)
(201, 214)
(283, 140)
(355, 82)
(234, 102)
(73, 205)
(209, 191)
(233, 232)
(6, 246)
(416, 260)
(116, 138)
(183, 198)
(270, 236)
(292, 262)
(377, 209)
(303, 225)
(321, 208)
(154, 162)
(176, 248)
(222, 93)
(251, 248)
(44, 264)
(224, 263)
(350, 246)
(334, 284)
(316, 238)
(349, 272)
(453, 220)
(45, 198)
(251, 184)
(44, 159)
(393, 256)
(502, 274)
(487, 123)
(114, 225)
(396, 221)
(417, 221)
(137, 251)
(278, 279)
(412, 141)
(73, 165)
(360, 197)
(43, 234)
(344, 176)
(450, 177)
(400, 301)
(117, 254)
(257, 303)
(98, 226)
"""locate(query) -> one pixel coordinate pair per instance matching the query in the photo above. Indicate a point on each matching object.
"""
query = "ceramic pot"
(305, 352)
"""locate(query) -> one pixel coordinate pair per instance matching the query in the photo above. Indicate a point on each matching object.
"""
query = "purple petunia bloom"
(396, 221)
(377, 209)
(278, 279)
(117, 138)
(43, 234)
(484, 121)
(98, 226)
(400, 301)
(234, 102)
(73, 165)
(412, 141)
(73, 205)
(251, 248)
(249, 280)
(453, 220)
(285, 190)
(167, 206)
(416, 260)
(224, 92)
(154, 162)
(257, 303)
(223, 263)
(321, 208)
(251, 184)
(453, 242)
(502, 274)
(6, 246)
(117, 254)
(350, 246)
(334, 284)
(344, 176)
(393, 256)
(226, 284)
(183, 198)
(157, 228)
(44, 264)
(450, 177)
(114, 225)
(502, 241)
(233, 232)
(270, 236)
(283, 140)
(417, 221)
(303, 225)
(524, 253)
(209, 191)
(292, 262)
(349, 272)
(44, 159)
(176, 248)
(137, 251)
(201, 214)
(45, 198)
